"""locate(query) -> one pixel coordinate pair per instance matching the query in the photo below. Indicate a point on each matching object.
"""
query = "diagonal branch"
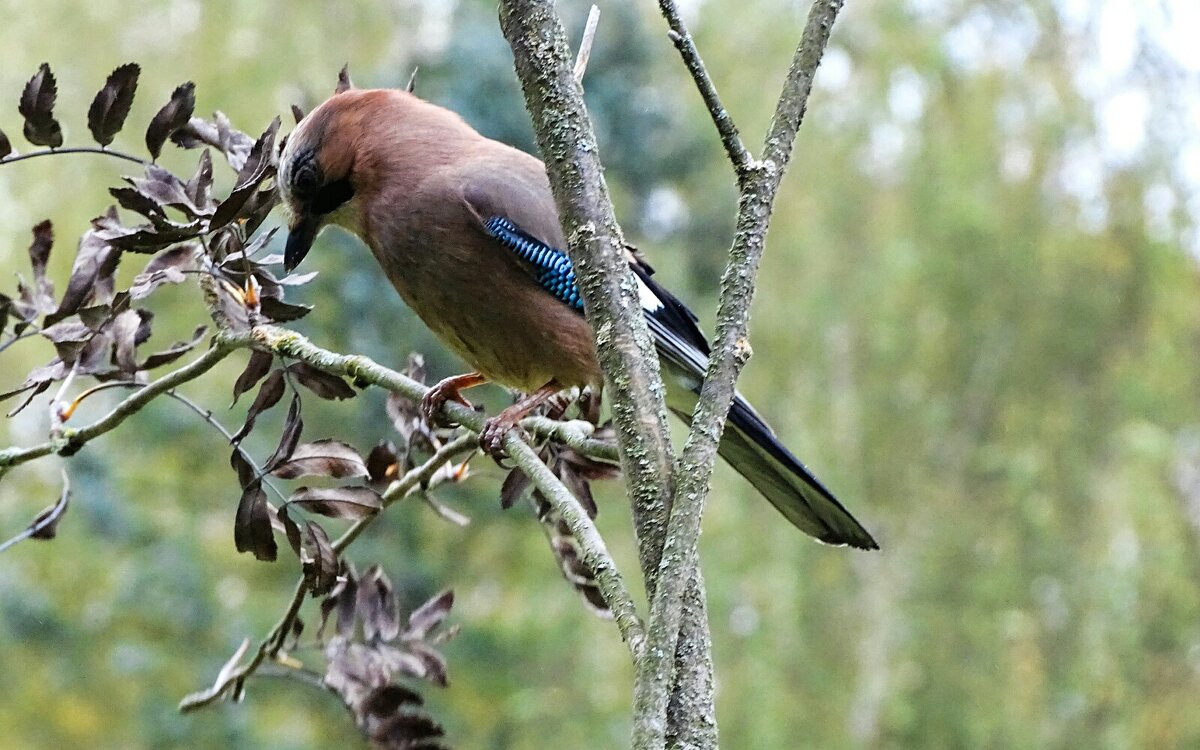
(595, 553)
(363, 370)
(69, 441)
(738, 155)
(730, 353)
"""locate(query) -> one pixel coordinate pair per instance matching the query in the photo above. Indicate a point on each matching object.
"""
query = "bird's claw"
(491, 437)
(437, 396)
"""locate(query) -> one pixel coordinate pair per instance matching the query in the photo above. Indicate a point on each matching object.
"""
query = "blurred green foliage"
(976, 322)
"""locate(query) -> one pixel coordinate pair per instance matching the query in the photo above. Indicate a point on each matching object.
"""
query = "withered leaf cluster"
(371, 647)
(576, 471)
(256, 520)
(96, 329)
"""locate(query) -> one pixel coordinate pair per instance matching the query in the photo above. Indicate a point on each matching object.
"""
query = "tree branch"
(71, 440)
(682, 39)
(730, 353)
(595, 553)
(361, 369)
(13, 158)
(585, 44)
(626, 351)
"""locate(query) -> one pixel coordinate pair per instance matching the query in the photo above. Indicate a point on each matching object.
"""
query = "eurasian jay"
(466, 230)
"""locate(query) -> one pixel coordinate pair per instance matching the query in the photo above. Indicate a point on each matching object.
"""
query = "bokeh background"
(979, 322)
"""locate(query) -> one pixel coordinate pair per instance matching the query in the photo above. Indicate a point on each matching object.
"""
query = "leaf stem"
(76, 150)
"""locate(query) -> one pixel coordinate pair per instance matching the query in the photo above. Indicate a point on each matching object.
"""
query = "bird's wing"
(508, 195)
(748, 443)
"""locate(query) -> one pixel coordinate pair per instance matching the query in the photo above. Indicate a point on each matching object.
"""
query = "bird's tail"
(751, 448)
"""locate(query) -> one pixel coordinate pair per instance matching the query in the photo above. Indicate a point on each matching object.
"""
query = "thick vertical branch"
(626, 352)
(759, 185)
(554, 99)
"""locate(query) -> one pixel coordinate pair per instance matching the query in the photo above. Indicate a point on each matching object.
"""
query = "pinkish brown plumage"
(423, 182)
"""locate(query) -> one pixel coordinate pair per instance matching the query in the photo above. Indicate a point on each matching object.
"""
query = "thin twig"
(57, 414)
(413, 479)
(207, 416)
(33, 331)
(45, 522)
(739, 156)
(595, 553)
(302, 675)
(585, 44)
(70, 441)
(76, 150)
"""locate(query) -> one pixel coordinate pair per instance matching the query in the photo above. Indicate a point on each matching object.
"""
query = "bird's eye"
(305, 181)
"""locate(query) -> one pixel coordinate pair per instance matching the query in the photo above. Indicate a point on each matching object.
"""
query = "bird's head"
(317, 181)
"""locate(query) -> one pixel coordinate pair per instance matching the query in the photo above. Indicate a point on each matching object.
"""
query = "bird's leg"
(449, 390)
(491, 439)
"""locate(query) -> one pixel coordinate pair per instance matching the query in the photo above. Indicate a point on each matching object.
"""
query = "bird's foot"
(491, 437)
(447, 390)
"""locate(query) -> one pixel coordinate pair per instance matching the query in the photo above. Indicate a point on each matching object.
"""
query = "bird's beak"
(301, 233)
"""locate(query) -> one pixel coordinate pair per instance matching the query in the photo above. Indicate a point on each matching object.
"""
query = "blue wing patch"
(672, 323)
(555, 273)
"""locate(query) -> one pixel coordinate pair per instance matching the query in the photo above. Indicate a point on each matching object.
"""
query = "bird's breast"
(479, 301)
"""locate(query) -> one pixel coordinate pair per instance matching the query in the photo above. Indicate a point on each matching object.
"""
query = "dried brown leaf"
(258, 167)
(111, 106)
(329, 387)
(429, 615)
(174, 351)
(293, 425)
(37, 107)
(233, 144)
(354, 503)
(406, 730)
(377, 606)
(290, 529)
(42, 295)
(318, 559)
(165, 268)
(328, 458)
(388, 699)
(128, 330)
(283, 312)
(174, 115)
(90, 258)
(245, 471)
(269, 394)
(199, 188)
(513, 488)
(381, 463)
(257, 368)
(252, 530)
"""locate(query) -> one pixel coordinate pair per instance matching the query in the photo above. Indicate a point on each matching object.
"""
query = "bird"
(466, 230)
